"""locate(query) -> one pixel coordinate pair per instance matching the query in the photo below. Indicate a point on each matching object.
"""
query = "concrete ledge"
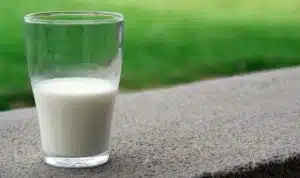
(229, 127)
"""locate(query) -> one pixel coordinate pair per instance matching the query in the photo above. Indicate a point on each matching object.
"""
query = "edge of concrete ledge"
(275, 167)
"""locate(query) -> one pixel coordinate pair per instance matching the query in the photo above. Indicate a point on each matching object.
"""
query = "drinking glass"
(74, 61)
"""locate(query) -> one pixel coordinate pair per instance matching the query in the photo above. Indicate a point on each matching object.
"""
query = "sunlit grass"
(171, 42)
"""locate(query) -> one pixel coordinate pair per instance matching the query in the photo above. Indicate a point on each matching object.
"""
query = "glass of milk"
(74, 61)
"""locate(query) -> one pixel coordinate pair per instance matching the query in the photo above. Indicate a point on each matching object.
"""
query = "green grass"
(169, 42)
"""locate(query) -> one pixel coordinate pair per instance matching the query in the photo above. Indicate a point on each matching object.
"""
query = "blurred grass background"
(167, 41)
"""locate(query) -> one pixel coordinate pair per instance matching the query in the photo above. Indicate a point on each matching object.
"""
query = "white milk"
(74, 115)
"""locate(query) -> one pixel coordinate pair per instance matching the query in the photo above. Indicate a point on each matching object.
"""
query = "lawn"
(168, 42)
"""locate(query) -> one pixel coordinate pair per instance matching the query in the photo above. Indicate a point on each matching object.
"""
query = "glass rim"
(36, 18)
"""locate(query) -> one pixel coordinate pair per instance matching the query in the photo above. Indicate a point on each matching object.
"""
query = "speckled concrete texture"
(203, 128)
(272, 168)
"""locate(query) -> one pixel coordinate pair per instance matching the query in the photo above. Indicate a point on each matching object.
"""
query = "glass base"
(82, 162)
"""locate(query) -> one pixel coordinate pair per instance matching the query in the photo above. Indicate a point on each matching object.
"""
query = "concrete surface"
(227, 127)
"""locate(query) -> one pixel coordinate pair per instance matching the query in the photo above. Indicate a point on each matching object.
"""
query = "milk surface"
(74, 115)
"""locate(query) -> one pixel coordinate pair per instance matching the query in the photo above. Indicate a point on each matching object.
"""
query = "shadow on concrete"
(277, 168)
